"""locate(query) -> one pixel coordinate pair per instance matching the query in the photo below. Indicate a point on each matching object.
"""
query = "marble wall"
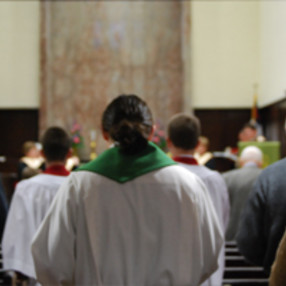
(92, 51)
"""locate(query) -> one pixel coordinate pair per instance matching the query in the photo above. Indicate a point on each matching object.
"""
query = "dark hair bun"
(128, 120)
(129, 136)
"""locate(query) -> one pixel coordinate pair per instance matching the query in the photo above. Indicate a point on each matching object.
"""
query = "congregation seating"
(238, 272)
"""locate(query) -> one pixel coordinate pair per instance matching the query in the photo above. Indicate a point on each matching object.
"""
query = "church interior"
(62, 62)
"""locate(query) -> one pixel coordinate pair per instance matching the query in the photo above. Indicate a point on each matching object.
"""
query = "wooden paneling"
(17, 126)
(222, 126)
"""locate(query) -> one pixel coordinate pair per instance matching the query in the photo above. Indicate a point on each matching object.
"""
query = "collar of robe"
(58, 170)
(186, 160)
(122, 168)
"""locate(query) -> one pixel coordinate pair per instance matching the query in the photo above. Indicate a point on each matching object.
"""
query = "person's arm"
(250, 236)
(19, 230)
(53, 247)
(278, 273)
(210, 234)
(226, 204)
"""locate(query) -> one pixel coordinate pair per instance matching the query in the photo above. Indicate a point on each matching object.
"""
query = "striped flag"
(255, 118)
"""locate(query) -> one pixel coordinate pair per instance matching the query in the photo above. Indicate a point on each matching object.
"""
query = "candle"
(92, 135)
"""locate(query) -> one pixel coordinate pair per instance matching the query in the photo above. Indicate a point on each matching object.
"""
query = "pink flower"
(156, 139)
(76, 140)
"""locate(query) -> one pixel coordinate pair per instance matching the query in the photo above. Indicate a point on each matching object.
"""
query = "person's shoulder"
(210, 174)
(273, 171)
(237, 172)
(276, 165)
(38, 182)
(179, 174)
(27, 182)
(179, 170)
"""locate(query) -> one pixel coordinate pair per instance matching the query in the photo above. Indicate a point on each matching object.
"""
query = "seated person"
(202, 154)
(30, 202)
(239, 183)
(30, 164)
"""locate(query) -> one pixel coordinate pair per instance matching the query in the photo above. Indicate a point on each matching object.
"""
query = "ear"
(169, 143)
(69, 154)
(105, 134)
(198, 143)
(42, 153)
(151, 133)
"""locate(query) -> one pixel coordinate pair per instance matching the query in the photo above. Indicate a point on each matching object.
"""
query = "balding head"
(251, 154)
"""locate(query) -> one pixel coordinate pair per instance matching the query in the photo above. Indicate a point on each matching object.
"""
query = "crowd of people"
(136, 216)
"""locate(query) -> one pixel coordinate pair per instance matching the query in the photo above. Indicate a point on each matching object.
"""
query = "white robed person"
(183, 137)
(130, 217)
(30, 203)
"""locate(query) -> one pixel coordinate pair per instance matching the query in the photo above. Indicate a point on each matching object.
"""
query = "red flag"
(254, 110)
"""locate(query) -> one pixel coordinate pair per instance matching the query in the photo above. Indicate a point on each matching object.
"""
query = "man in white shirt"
(30, 203)
(183, 135)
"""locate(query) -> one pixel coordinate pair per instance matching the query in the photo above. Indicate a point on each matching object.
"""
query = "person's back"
(130, 217)
(30, 203)
(263, 220)
(240, 183)
(183, 136)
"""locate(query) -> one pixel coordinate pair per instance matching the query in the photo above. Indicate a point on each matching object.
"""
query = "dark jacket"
(263, 220)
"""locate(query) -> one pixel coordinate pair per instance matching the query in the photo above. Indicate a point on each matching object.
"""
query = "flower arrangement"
(77, 139)
(159, 136)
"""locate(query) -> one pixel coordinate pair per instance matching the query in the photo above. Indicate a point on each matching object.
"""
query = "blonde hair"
(204, 140)
(27, 146)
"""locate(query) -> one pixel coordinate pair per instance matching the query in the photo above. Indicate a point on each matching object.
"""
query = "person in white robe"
(30, 203)
(130, 217)
(183, 137)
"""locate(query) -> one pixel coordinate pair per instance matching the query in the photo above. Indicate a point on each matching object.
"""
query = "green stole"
(121, 168)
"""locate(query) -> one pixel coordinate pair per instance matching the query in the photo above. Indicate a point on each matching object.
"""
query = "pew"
(238, 272)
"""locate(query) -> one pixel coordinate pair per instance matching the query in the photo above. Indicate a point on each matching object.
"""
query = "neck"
(55, 163)
(176, 152)
(250, 163)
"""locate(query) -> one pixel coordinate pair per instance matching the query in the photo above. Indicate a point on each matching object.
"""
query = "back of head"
(56, 144)
(184, 131)
(128, 121)
(28, 146)
(251, 154)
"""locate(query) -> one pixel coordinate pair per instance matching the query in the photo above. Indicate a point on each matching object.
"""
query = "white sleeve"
(18, 233)
(53, 247)
(210, 233)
